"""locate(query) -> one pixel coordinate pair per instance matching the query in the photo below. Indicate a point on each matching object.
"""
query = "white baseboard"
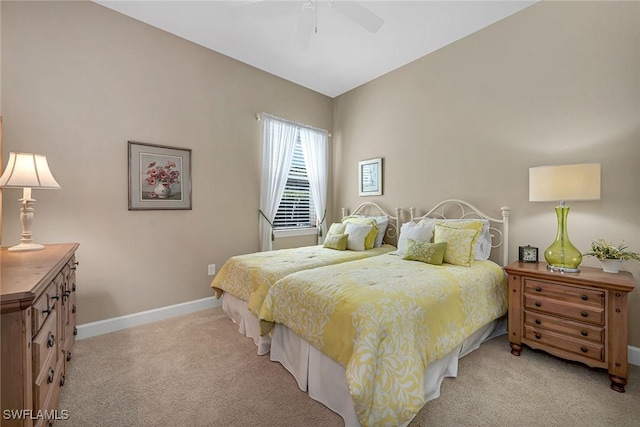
(106, 326)
(634, 355)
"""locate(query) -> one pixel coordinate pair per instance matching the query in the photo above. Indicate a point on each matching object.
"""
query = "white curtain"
(278, 143)
(316, 153)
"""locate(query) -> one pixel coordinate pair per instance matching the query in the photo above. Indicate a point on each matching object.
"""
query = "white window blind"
(296, 207)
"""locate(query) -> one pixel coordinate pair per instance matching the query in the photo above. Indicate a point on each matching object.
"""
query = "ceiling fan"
(308, 19)
(353, 10)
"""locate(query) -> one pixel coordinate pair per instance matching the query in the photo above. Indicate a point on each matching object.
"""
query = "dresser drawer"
(45, 303)
(581, 331)
(570, 310)
(591, 297)
(45, 342)
(547, 338)
(45, 381)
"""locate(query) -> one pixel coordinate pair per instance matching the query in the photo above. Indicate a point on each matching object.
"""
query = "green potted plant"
(611, 256)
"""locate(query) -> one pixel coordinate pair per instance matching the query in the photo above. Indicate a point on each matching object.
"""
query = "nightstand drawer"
(564, 327)
(565, 293)
(550, 339)
(570, 310)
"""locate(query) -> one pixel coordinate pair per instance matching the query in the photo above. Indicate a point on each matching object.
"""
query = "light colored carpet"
(197, 370)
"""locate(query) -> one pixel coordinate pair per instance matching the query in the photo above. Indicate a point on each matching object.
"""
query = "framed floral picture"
(370, 177)
(159, 177)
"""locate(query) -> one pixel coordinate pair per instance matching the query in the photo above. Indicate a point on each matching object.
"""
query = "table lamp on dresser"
(27, 171)
(562, 183)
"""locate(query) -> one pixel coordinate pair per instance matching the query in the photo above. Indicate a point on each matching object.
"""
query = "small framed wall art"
(159, 177)
(370, 177)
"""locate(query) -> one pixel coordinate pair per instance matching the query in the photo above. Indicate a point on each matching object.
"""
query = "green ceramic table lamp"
(562, 183)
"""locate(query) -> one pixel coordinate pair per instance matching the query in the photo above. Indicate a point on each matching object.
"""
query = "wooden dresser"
(577, 316)
(38, 309)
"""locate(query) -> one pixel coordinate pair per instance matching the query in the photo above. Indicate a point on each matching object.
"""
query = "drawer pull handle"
(66, 293)
(585, 333)
(584, 314)
(73, 310)
(538, 336)
(538, 289)
(46, 311)
(584, 349)
(68, 356)
(62, 381)
(538, 321)
(51, 340)
(584, 297)
(75, 331)
(73, 288)
(538, 303)
(52, 373)
(56, 297)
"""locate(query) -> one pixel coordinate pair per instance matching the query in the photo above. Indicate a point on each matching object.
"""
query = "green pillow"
(431, 253)
(336, 241)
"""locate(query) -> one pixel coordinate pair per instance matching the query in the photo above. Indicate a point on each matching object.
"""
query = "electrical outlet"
(212, 270)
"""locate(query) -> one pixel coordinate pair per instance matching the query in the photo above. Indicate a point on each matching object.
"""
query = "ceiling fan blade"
(359, 14)
(306, 24)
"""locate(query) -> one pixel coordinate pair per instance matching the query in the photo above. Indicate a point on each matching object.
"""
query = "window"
(296, 208)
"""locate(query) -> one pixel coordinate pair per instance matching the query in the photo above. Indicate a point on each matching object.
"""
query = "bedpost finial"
(412, 212)
(506, 211)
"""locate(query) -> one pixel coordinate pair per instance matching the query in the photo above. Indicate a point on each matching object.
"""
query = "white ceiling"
(341, 55)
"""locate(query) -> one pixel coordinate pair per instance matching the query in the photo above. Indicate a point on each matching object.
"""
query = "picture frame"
(159, 177)
(370, 177)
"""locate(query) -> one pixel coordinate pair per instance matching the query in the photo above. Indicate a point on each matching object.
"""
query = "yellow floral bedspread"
(242, 275)
(385, 319)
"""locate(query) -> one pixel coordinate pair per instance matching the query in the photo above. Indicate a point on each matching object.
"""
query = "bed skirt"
(248, 324)
(324, 378)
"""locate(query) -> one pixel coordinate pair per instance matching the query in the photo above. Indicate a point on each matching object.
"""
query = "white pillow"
(382, 222)
(417, 231)
(482, 248)
(357, 234)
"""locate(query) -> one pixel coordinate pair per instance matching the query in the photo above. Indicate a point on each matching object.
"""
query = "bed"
(373, 339)
(244, 280)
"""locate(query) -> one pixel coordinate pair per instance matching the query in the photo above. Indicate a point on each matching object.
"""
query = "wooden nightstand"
(577, 316)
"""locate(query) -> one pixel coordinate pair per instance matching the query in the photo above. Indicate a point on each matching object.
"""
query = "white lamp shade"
(27, 170)
(564, 182)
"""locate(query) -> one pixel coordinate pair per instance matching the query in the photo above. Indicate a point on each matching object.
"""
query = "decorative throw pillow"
(459, 250)
(373, 232)
(357, 235)
(431, 253)
(418, 231)
(336, 228)
(482, 241)
(336, 241)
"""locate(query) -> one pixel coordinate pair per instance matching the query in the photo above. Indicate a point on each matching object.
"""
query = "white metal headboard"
(459, 209)
(372, 209)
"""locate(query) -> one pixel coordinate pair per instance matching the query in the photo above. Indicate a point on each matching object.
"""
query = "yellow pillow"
(467, 225)
(459, 250)
(336, 241)
(370, 240)
(336, 228)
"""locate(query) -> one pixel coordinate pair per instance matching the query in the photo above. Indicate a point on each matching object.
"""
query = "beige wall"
(79, 81)
(556, 83)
